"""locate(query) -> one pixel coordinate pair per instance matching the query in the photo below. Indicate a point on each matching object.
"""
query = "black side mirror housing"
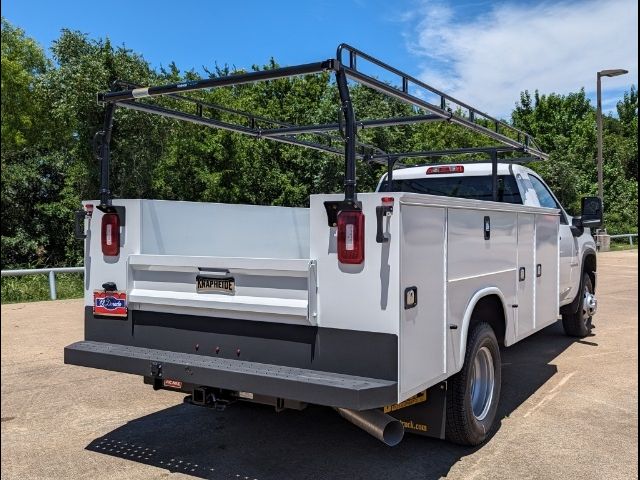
(591, 216)
(577, 229)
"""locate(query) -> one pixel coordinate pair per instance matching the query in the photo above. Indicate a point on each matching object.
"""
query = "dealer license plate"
(225, 285)
(110, 304)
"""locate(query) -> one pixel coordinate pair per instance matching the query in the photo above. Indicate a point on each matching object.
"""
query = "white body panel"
(423, 359)
(525, 312)
(474, 268)
(284, 262)
(357, 297)
(572, 249)
(165, 244)
(547, 271)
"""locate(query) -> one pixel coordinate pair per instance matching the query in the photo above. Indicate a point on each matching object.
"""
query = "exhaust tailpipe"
(380, 425)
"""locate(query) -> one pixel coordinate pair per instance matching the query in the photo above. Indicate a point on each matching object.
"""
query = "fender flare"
(572, 307)
(590, 252)
(466, 320)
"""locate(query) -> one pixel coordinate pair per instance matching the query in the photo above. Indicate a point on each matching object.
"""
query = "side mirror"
(577, 229)
(591, 216)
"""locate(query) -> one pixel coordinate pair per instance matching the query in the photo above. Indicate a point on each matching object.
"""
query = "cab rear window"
(476, 188)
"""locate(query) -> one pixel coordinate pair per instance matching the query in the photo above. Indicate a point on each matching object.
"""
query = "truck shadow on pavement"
(253, 442)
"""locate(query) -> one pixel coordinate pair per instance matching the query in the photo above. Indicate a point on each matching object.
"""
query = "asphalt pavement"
(569, 409)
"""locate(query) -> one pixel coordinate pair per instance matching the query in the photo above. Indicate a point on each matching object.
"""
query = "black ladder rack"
(449, 108)
(133, 97)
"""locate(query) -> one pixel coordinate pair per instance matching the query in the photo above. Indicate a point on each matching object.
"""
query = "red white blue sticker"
(112, 304)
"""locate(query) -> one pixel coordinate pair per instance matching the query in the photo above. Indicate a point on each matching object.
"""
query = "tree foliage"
(565, 126)
(49, 118)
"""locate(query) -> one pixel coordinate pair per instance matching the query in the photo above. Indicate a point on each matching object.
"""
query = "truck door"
(526, 275)
(568, 249)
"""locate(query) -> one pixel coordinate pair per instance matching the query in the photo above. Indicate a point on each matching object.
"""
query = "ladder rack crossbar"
(523, 140)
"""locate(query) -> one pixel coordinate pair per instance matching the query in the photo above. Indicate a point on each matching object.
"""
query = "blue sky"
(481, 51)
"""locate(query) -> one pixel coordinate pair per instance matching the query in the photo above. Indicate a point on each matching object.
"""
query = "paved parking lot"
(569, 410)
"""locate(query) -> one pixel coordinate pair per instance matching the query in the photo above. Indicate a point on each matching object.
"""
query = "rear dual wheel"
(474, 392)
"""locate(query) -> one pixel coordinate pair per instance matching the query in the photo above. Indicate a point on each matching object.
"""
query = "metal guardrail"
(52, 271)
(44, 271)
(630, 235)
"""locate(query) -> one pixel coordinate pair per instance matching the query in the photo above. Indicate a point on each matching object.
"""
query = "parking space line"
(551, 395)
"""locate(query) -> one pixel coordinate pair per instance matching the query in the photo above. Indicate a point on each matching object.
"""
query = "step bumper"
(311, 386)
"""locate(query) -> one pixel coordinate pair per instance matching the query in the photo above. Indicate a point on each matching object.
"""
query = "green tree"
(50, 117)
(23, 61)
(565, 127)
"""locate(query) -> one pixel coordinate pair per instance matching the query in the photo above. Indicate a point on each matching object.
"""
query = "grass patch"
(34, 288)
(616, 246)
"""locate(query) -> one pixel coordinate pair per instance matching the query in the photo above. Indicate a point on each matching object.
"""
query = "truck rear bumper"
(311, 386)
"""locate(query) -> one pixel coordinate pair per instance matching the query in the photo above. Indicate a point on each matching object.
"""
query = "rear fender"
(466, 321)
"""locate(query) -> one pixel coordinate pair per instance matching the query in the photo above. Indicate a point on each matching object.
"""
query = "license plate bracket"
(224, 285)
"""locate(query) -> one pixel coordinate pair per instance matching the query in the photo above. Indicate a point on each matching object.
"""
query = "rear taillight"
(111, 234)
(445, 169)
(351, 237)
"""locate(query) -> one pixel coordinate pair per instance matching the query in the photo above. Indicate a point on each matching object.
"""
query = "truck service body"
(389, 306)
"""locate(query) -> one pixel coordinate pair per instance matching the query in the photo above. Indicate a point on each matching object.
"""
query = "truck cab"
(519, 185)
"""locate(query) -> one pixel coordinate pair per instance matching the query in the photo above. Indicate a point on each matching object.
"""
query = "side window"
(544, 196)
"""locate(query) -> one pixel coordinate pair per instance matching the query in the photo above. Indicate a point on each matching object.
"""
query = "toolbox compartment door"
(422, 326)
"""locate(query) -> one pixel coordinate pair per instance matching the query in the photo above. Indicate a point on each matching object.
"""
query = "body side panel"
(423, 327)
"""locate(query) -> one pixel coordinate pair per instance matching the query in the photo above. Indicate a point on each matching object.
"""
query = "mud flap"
(424, 413)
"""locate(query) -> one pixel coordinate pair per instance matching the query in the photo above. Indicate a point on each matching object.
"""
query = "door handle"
(381, 213)
(79, 231)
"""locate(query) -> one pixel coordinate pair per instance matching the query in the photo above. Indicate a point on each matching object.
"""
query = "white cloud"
(553, 47)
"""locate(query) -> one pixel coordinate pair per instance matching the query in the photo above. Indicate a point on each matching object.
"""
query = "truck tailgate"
(263, 286)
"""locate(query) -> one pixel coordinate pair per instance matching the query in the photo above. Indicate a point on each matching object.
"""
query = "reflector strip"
(109, 237)
(349, 237)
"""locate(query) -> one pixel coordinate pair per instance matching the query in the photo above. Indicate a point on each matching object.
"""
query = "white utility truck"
(390, 306)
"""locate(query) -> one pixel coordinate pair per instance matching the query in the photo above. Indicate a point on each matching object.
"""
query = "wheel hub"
(482, 383)
(589, 304)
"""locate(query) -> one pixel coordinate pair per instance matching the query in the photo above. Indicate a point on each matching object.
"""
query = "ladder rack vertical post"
(390, 164)
(105, 155)
(494, 174)
(350, 136)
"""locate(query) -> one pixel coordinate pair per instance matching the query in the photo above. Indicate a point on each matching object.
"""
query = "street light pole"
(599, 131)
(602, 73)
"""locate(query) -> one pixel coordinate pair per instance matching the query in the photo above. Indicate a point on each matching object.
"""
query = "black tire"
(463, 426)
(578, 324)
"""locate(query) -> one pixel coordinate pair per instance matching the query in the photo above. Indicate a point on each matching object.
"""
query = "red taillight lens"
(351, 237)
(111, 234)
(445, 169)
